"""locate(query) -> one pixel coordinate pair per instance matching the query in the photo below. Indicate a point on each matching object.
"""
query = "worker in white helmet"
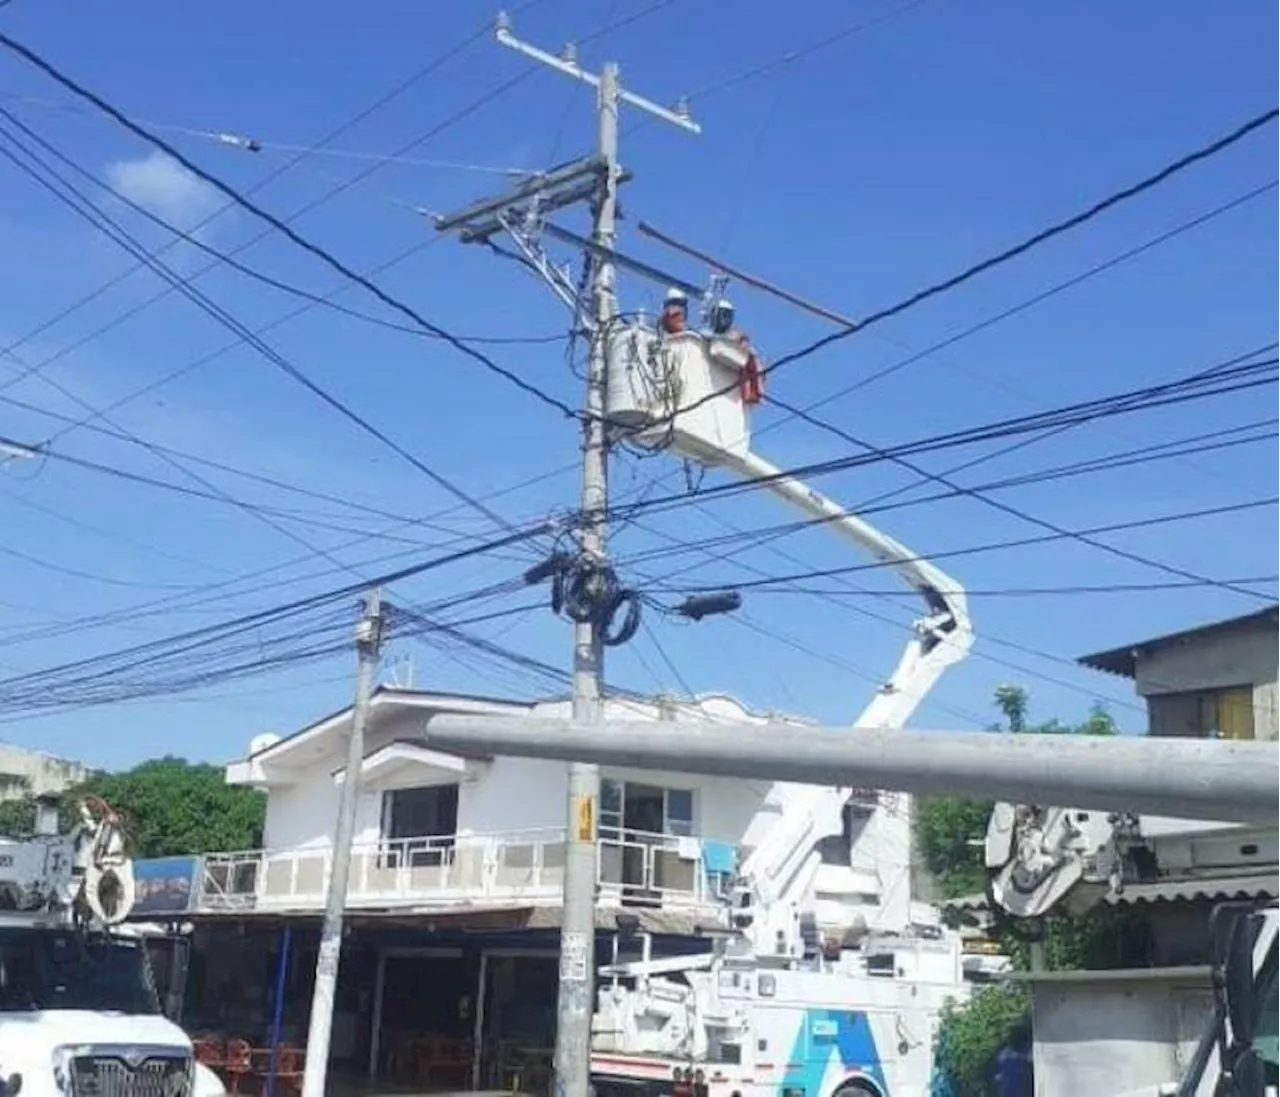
(752, 373)
(675, 312)
(721, 318)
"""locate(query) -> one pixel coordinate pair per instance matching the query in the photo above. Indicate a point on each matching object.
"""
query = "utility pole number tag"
(586, 816)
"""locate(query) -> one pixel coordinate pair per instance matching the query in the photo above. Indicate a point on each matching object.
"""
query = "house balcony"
(511, 869)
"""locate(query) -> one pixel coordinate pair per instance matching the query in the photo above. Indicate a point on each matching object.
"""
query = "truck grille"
(116, 1076)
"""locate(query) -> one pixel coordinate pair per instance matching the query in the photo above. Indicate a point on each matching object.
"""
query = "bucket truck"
(79, 1016)
(779, 1006)
(804, 997)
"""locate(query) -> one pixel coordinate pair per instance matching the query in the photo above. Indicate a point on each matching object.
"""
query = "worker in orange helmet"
(675, 312)
(752, 373)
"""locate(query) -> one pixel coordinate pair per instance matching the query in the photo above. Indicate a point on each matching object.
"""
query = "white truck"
(79, 1015)
(804, 996)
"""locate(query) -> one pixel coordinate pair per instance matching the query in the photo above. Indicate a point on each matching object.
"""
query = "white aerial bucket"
(651, 377)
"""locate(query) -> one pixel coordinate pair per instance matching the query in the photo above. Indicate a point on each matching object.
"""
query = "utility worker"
(1014, 1074)
(675, 312)
(752, 373)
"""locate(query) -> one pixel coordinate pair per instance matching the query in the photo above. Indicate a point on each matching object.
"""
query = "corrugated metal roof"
(1123, 660)
(976, 901)
(1216, 889)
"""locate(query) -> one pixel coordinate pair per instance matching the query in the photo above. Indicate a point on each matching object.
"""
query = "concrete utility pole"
(522, 214)
(577, 933)
(368, 647)
(1230, 781)
(576, 990)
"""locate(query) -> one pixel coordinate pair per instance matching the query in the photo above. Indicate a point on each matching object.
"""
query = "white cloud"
(160, 184)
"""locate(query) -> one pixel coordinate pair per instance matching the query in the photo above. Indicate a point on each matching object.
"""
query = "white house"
(33, 773)
(440, 832)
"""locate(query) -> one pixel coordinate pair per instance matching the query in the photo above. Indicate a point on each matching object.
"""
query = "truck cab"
(1238, 1056)
(79, 1017)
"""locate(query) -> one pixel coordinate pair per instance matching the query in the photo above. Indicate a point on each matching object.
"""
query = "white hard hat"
(724, 303)
(675, 295)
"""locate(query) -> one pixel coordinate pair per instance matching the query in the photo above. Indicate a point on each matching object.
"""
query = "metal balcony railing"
(512, 867)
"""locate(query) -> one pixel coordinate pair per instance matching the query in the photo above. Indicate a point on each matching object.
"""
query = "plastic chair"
(238, 1063)
(290, 1063)
(211, 1053)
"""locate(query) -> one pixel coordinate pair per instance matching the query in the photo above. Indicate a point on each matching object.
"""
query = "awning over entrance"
(412, 762)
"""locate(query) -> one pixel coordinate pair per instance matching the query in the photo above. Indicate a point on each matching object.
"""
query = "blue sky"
(853, 175)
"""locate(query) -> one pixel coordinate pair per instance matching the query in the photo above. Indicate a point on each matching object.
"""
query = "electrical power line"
(93, 668)
(1033, 241)
(222, 590)
(1245, 434)
(206, 304)
(283, 227)
(1200, 386)
(1026, 592)
(1025, 516)
(397, 90)
(995, 546)
(1000, 258)
(228, 259)
(1043, 295)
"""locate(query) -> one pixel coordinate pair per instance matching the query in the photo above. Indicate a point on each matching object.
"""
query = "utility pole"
(576, 990)
(521, 213)
(368, 647)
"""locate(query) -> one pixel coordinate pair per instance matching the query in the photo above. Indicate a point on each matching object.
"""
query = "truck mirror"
(1233, 929)
(1238, 980)
(1248, 1075)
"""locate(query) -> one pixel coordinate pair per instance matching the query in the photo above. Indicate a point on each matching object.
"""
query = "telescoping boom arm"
(685, 389)
(778, 872)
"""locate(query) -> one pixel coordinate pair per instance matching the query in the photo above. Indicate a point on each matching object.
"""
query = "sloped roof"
(1216, 889)
(415, 753)
(272, 757)
(1123, 660)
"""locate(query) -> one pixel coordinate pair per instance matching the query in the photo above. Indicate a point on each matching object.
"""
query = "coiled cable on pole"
(590, 593)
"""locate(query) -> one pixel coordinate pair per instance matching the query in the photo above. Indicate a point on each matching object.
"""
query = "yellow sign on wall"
(586, 819)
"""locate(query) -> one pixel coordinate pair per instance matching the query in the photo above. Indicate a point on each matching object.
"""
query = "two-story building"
(34, 773)
(1138, 1025)
(457, 876)
(1212, 681)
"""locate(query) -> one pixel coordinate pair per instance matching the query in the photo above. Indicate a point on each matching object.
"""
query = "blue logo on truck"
(824, 1034)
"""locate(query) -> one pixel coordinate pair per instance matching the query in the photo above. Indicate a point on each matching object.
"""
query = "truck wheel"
(857, 1089)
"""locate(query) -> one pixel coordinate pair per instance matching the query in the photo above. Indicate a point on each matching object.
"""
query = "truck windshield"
(60, 969)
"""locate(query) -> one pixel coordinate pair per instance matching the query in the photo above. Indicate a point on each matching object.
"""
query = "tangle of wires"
(249, 647)
(587, 591)
(306, 630)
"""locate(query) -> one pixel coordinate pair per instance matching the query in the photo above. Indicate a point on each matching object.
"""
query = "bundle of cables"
(585, 591)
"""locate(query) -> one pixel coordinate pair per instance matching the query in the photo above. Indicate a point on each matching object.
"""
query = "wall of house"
(32, 772)
(513, 794)
(1232, 658)
(301, 815)
(1110, 1035)
(506, 794)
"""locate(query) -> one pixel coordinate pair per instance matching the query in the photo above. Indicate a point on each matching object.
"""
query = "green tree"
(171, 807)
(970, 1035)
